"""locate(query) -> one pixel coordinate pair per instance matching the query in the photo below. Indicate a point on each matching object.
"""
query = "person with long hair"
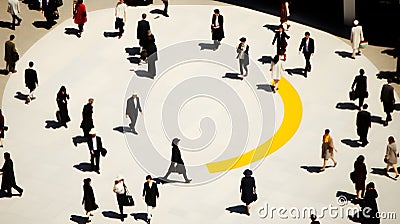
(80, 15)
(277, 71)
(88, 201)
(62, 97)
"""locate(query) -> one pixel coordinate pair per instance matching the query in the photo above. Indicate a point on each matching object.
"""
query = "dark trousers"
(361, 101)
(14, 17)
(151, 65)
(119, 24)
(243, 65)
(307, 56)
(95, 160)
(181, 169)
(133, 118)
(165, 7)
(10, 66)
(363, 133)
(80, 26)
(15, 186)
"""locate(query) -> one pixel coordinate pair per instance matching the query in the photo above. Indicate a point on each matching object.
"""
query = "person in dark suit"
(248, 189)
(217, 28)
(307, 44)
(132, 111)
(142, 28)
(88, 201)
(281, 44)
(62, 104)
(363, 124)
(87, 118)
(31, 81)
(8, 177)
(95, 146)
(360, 82)
(150, 48)
(150, 196)
(369, 205)
(177, 165)
(388, 100)
(10, 55)
(2, 129)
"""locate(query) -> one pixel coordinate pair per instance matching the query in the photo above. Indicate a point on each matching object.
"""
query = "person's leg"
(1, 142)
(133, 118)
(80, 26)
(121, 211)
(184, 174)
(246, 69)
(334, 161)
(165, 7)
(248, 209)
(395, 170)
(241, 66)
(360, 102)
(97, 155)
(353, 55)
(92, 158)
(324, 165)
(17, 188)
(167, 174)
(12, 67)
(13, 22)
(307, 56)
(149, 212)
(358, 194)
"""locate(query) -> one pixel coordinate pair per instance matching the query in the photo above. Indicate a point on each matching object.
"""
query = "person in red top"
(80, 16)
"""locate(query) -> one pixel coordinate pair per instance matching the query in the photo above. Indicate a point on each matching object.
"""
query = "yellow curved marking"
(293, 111)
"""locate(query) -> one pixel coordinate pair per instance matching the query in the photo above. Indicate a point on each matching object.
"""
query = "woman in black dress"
(62, 98)
(248, 189)
(360, 175)
(369, 206)
(1, 128)
(88, 201)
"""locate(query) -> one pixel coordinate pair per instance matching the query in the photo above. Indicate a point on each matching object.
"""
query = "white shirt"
(94, 140)
(216, 21)
(307, 41)
(151, 184)
(119, 188)
(134, 102)
(120, 10)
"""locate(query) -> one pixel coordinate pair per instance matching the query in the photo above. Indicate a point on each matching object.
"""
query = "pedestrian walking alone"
(217, 28)
(120, 191)
(281, 43)
(8, 177)
(14, 9)
(11, 55)
(248, 189)
(363, 124)
(369, 206)
(359, 175)
(391, 156)
(88, 201)
(95, 148)
(87, 118)
(388, 100)
(360, 91)
(150, 195)
(308, 47)
(328, 149)
(150, 48)
(356, 37)
(62, 103)
(284, 14)
(80, 16)
(142, 28)
(133, 109)
(165, 12)
(243, 56)
(177, 164)
(31, 81)
(2, 128)
(120, 14)
(277, 71)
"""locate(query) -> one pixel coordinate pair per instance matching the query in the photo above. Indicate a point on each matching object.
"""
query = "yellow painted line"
(293, 111)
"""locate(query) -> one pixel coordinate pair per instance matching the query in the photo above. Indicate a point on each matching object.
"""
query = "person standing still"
(31, 81)
(177, 165)
(120, 191)
(88, 201)
(388, 100)
(355, 38)
(132, 111)
(328, 149)
(62, 103)
(8, 177)
(80, 16)
(2, 129)
(14, 9)
(307, 44)
(165, 12)
(150, 195)
(120, 14)
(360, 82)
(243, 56)
(87, 118)
(247, 189)
(391, 156)
(363, 123)
(95, 146)
(11, 55)
(217, 28)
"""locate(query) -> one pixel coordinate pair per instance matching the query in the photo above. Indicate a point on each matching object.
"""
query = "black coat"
(31, 79)
(360, 82)
(247, 186)
(49, 6)
(149, 43)
(176, 155)
(142, 28)
(311, 46)
(150, 194)
(99, 143)
(370, 202)
(8, 177)
(89, 201)
(87, 120)
(387, 98)
(62, 106)
(218, 33)
(363, 119)
(360, 174)
(2, 126)
(280, 39)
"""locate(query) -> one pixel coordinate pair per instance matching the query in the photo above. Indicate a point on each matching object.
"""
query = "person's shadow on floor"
(351, 143)
(239, 209)
(266, 87)
(72, 31)
(79, 219)
(314, 169)
(344, 54)
(20, 96)
(52, 124)
(78, 140)
(382, 172)
(84, 167)
(140, 216)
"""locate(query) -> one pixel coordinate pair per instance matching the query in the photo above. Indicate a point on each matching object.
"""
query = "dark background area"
(380, 18)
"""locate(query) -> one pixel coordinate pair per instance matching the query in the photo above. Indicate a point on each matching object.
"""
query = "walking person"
(277, 71)
(142, 29)
(95, 147)
(391, 156)
(88, 201)
(120, 191)
(80, 16)
(369, 205)
(359, 175)
(11, 55)
(120, 14)
(248, 189)
(281, 43)
(50, 12)
(87, 118)
(165, 12)
(363, 124)
(388, 100)
(284, 14)
(355, 38)
(177, 165)
(150, 195)
(307, 44)
(132, 111)
(2, 128)
(31, 81)
(217, 28)
(328, 149)
(62, 103)
(150, 48)
(360, 84)
(14, 9)
(243, 56)
(8, 177)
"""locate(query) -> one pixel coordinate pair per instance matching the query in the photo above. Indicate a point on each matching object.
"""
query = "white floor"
(217, 118)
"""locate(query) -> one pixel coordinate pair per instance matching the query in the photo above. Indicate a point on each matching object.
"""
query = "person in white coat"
(14, 9)
(355, 38)
(277, 71)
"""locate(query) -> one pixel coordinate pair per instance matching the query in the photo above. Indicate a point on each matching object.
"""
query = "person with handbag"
(360, 90)
(177, 165)
(120, 191)
(62, 98)
(243, 56)
(248, 189)
(11, 55)
(120, 17)
(363, 123)
(391, 156)
(359, 176)
(88, 201)
(150, 196)
(80, 15)
(327, 149)
(95, 147)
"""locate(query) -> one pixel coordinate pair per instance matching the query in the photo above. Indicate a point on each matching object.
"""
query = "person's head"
(247, 173)
(119, 179)
(389, 80)
(360, 159)
(92, 133)
(362, 72)
(148, 178)
(149, 33)
(307, 34)
(31, 64)
(313, 217)
(63, 90)
(144, 16)
(121, 1)
(87, 181)
(370, 185)
(365, 106)
(216, 11)
(91, 100)
(134, 95)
(176, 141)
(242, 40)
(391, 140)
(327, 131)
(356, 22)
(12, 37)
(79, 1)
(280, 28)
(7, 156)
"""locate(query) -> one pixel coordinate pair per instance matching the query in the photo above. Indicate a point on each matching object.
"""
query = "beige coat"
(391, 153)
(356, 37)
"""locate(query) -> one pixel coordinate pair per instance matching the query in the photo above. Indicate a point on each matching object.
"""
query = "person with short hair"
(243, 56)
(87, 118)
(88, 201)
(327, 149)
(14, 9)
(307, 44)
(11, 55)
(391, 156)
(217, 28)
(120, 14)
(95, 146)
(142, 28)
(120, 191)
(363, 123)
(150, 195)
(281, 43)
(360, 84)
(177, 164)
(248, 189)
(359, 176)
(8, 177)
(356, 37)
(31, 81)
(2, 128)
(132, 111)
(388, 100)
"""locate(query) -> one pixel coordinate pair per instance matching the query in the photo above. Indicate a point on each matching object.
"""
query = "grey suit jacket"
(131, 109)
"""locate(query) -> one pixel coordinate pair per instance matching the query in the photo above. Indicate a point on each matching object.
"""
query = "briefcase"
(352, 95)
(103, 152)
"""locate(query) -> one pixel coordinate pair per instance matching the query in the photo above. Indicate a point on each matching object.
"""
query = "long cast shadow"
(4, 72)
(346, 106)
(133, 51)
(265, 59)
(297, 71)
(72, 31)
(157, 11)
(162, 180)
(378, 120)
(111, 34)
(391, 52)
(389, 75)
(123, 129)
(266, 87)
(351, 143)
(113, 215)
(134, 60)
(4, 24)
(52, 124)
(79, 219)
(207, 46)
(382, 172)
(347, 195)
(144, 74)
(271, 27)
(140, 216)
(20, 96)
(84, 167)
(233, 76)
(344, 54)
(44, 24)
(239, 209)
(78, 140)
(314, 169)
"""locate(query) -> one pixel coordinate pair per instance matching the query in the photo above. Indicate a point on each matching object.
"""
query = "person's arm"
(116, 9)
(301, 45)
(354, 83)
(361, 34)
(36, 78)
(125, 13)
(275, 37)
(157, 193)
(144, 190)
(127, 109)
(139, 107)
